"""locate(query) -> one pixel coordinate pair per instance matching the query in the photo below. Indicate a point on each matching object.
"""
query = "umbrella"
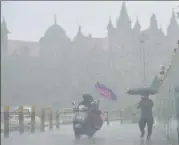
(105, 91)
(142, 91)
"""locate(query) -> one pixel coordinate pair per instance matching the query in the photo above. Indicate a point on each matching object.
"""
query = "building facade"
(55, 63)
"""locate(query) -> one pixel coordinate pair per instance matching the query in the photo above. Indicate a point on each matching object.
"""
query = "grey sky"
(29, 20)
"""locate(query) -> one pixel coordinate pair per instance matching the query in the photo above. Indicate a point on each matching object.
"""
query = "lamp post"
(142, 41)
(177, 109)
(177, 91)
(176, 94)
(177, 104)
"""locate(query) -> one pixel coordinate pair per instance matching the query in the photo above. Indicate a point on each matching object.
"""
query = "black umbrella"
(142, 91)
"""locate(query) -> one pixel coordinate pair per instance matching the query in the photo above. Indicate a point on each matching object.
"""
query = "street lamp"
(177, 105)
(142, 42)
(177, 109)
(177, 99)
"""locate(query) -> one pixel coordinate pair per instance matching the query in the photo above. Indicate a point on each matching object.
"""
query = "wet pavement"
(115, 134)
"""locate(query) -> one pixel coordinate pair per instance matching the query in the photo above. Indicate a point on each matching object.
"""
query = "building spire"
(79, 34)
(123, 19)
(153, 22)
(137, 25)
(79, 29)
(173, 17)
(123, 9)
(110, 25)
(161, 29)
(55, 19)
(4, 37)
(4, 27)
(173, 24)
(3, 22)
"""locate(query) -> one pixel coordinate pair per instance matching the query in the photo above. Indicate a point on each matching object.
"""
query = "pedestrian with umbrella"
(145, 105)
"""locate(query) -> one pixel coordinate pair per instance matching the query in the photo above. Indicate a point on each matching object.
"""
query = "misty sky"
(27, 20)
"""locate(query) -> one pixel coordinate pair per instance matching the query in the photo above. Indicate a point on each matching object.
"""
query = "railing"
(20, 121)
(166, 97)
(45, 118)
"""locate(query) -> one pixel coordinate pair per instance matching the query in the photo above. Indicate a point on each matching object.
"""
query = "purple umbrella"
(105, 91)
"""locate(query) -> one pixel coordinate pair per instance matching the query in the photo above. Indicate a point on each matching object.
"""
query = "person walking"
(146, 117)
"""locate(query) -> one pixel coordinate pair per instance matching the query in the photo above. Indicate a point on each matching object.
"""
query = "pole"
(57, 119)
(177, 110)
(42, 127)
(33, 119)
(122, 116)
(50, 119)
(21, 120)
(107, 118)
(177, 105)
(178, 132)
(6, 121)
(144, 66)
(144, 61)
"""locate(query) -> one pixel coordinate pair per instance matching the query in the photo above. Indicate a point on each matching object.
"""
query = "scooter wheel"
(77, 136)
(90, 135)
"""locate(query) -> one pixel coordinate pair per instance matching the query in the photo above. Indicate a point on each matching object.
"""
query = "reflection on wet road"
(115, 134)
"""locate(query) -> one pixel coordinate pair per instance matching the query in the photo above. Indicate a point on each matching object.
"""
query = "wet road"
(115, 134)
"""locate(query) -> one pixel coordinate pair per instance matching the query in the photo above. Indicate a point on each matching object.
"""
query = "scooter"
(81, 122)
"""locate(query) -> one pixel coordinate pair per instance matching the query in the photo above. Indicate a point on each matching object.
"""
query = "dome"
(55, 31)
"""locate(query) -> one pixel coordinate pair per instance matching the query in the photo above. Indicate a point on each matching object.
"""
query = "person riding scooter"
(94, 112)
(87, 100)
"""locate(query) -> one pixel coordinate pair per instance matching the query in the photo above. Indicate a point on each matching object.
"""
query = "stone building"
(54, 43)
(58, 63)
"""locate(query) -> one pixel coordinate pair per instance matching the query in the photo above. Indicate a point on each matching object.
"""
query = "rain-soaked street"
(119, 56)
(115, 134)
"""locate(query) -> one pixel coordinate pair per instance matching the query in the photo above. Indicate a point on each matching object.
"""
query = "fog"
(57, 69)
